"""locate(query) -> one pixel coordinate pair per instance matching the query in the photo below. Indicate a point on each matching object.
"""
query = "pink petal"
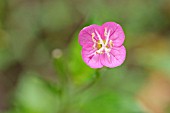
(117, 34)
(93, 60)
(88, 50)
(85, 35)
(117, 57)
(112, 26)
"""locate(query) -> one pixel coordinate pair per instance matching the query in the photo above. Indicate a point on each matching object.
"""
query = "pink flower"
(102, 45)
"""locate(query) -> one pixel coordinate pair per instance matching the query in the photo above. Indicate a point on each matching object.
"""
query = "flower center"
(99, 45)
(102, 46)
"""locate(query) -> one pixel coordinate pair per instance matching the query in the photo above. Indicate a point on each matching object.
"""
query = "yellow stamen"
(93, 35)
(99, 46)
(111, 43)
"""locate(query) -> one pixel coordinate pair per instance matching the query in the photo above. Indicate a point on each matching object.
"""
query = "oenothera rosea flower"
(102, 45)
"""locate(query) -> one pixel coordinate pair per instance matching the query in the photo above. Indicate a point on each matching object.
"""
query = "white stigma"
(104, 47)
(101, 41)
(107, 36)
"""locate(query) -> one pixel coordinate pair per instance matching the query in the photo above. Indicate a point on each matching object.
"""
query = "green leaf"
(111, 102)
(79, 70)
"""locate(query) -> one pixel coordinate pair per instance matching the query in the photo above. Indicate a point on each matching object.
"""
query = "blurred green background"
(41, 68)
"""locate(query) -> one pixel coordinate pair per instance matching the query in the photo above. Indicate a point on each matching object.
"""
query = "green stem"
(96, 78)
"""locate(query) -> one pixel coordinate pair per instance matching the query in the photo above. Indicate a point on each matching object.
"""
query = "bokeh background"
(41, 68)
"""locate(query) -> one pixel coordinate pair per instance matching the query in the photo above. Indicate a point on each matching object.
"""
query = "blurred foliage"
(34, 96)
(42, 82)
(80, 71)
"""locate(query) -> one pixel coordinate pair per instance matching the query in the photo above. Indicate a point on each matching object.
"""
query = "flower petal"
(117, 57)
(85, 35)
(117, 34)
(112, 26)
(91, 59)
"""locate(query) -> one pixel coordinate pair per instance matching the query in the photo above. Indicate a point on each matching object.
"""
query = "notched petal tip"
(110, 23)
